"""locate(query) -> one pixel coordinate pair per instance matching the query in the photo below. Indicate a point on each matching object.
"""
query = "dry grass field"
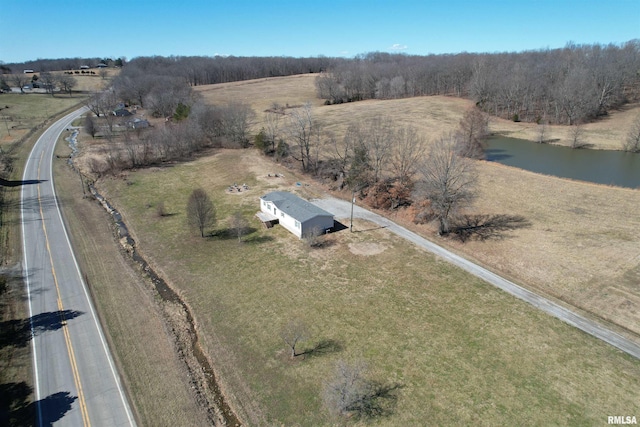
(19, 113)
(128, 308)
(459, 350)
(28, 111)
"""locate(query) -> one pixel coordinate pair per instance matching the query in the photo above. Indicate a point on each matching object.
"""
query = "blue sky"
(116, 28)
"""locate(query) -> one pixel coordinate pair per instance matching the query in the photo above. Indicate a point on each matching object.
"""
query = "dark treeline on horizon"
(570, 85)
(60, 64)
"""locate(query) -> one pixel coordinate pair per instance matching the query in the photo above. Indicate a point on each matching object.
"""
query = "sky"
(52, 29)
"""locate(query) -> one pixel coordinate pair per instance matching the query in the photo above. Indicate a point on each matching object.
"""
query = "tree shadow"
(322, 348)
(19, 183)
(17, 333)
(485, 227)
(370, 229)
(30, 204)
(17, 411)
(230, 233)
(377, 400)
(496, 154)
(582, 145)
(55, 406)
(15, 408)
(322, 242)
(257, 239)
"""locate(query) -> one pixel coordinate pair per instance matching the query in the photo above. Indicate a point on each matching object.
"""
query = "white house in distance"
(293, 213)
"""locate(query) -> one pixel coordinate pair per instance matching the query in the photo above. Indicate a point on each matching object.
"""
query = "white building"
(293, 213)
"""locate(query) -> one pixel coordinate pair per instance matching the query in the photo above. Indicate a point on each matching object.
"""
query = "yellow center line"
(65, 330)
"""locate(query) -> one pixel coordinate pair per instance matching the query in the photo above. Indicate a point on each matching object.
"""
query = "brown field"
(434, 115)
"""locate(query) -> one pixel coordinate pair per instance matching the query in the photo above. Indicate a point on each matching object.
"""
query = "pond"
(600, 166)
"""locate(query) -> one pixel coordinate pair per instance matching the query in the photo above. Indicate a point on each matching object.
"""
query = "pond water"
(600, 166)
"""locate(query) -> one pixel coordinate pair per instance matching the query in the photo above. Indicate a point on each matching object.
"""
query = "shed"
(295, 214)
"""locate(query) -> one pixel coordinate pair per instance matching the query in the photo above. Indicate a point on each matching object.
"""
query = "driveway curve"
(342, 209)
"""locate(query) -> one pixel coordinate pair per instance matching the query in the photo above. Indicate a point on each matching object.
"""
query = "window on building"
(297, 224)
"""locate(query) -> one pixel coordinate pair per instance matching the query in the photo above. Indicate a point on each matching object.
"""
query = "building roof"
(294, 206)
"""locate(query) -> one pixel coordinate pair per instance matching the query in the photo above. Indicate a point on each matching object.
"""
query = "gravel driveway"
(342, 210)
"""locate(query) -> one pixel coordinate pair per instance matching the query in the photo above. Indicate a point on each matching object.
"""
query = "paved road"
(342, 209)
(76, 383)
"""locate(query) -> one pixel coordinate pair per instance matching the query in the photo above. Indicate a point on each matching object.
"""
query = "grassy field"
(28, 111)
(460, 351)
(143, 346)
(22, 112)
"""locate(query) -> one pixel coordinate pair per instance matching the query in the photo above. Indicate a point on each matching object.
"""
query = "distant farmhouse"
(293, 213)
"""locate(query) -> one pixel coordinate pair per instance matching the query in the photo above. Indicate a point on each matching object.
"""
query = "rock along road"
(75, 380)
(341, 209)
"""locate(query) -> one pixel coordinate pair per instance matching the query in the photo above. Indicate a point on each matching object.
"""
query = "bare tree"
(237, 119)
(90, 125)
(201, 213)
(472, 130)
(632, 142)
(408, 150)
(543, 132)
(67, 83)
(378, 139)
(293, 333)
(239, 225)
(349, 392)
(328, 87)
(272, 128)
(448, 182)
(102, 105)
(48, 81)
(165, 95)
(577, 136)
(20, 80)
(301, 130)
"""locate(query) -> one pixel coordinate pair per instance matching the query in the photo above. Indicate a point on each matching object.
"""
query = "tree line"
(59, 64)
(575, 84)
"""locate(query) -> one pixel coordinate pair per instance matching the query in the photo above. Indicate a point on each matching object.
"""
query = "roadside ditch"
(178, 317)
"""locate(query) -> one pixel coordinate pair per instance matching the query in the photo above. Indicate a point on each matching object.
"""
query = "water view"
(600, 166)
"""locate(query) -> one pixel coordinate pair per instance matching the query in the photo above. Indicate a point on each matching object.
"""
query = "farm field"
(450, 346)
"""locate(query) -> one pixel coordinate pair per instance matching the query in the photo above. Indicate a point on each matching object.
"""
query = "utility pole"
(353, 201)
(6, 122)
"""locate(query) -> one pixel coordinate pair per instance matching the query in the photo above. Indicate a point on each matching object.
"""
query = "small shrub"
(314, 238)
(161, 210)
